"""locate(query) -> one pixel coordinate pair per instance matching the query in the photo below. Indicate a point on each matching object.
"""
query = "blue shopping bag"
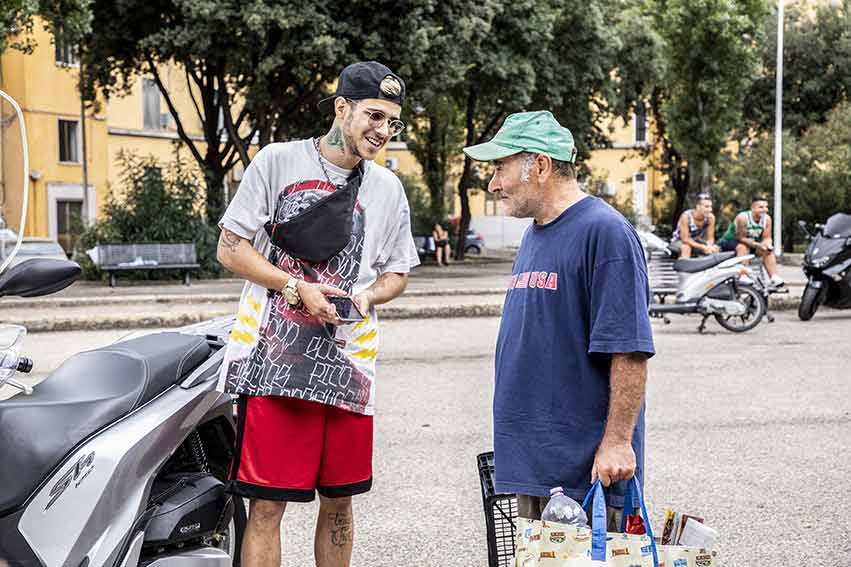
(597, 499)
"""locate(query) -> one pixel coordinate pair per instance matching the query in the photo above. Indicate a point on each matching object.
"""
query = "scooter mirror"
(38, 276)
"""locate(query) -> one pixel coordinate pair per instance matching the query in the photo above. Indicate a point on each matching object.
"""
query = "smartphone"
(347, 311)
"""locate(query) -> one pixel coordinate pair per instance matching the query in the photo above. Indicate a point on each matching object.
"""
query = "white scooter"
(710, 286)
(119, 457)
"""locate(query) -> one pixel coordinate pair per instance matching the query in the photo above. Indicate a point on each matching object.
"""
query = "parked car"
(32, 247)
(425, 244)
(475, 242)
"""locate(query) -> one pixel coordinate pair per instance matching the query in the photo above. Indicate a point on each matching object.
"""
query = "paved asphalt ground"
(751, 431)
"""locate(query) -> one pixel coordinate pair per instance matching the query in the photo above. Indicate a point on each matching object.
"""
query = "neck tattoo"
(334, 139)
(322, 163)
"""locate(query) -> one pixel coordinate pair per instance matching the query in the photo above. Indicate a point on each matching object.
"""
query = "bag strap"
(599, 523)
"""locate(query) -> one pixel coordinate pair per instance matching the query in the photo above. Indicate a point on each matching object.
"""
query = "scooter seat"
(692, 265)
(88, 392)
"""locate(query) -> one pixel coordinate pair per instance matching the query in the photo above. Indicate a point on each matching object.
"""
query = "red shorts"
(287, 448)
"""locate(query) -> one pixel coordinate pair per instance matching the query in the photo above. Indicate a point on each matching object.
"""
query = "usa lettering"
(535, 280)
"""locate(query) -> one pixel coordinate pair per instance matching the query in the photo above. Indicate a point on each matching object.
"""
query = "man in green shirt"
(750, 233)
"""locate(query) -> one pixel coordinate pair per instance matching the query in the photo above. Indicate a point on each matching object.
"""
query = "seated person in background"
(695, 232)
(442, 250)
(750, 233)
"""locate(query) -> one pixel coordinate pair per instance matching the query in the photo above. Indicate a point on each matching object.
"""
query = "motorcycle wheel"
(756, 309)
(810, 301)
(231, 543)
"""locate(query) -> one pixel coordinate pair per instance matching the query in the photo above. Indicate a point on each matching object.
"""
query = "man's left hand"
(614, 461)
(363, 301)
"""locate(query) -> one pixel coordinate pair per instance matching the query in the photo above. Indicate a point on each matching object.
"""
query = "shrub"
(155, 202)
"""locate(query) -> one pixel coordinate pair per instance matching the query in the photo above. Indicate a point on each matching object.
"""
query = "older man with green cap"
(575, 336)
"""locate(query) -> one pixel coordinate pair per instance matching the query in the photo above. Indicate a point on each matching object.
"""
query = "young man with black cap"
(314, 220)
(571, 357)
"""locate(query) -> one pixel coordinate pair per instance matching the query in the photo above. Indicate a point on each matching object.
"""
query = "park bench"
(115, 258)
(660, 271)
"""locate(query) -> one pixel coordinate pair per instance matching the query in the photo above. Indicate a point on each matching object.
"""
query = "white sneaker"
(745, 280)
(777, 281)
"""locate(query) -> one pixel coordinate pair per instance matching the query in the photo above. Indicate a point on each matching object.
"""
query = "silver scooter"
(709, 286)
(119, 458)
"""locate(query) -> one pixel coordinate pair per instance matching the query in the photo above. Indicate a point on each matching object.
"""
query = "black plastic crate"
(500, 516)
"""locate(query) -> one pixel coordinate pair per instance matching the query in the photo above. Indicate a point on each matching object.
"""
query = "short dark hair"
(756, 198)
(702, 197)
(563, 169)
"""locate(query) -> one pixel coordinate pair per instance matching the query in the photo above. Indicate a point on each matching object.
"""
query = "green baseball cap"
(538, 132)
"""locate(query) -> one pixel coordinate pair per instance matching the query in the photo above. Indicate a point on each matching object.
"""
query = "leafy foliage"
(71, 18)
(706, 55)
(156, 202)
(422, 220)
(816, 68)
(816, 172)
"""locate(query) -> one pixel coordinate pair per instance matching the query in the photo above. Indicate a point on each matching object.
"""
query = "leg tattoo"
(341, 530)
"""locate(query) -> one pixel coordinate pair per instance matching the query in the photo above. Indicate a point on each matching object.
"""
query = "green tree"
(816, 172)
(257, 69)
(71, 18)
(707, 55)
(500, 79)
(816, 68)
(436, 127)
(154, 202)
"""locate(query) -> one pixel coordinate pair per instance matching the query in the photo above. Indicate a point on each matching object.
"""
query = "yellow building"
(45, 85)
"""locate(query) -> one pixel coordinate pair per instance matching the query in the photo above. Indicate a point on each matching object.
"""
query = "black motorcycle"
(827, 264)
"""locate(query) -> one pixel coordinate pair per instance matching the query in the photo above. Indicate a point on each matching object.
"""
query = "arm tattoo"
(229, 240)
(335, 138)
(341, 528)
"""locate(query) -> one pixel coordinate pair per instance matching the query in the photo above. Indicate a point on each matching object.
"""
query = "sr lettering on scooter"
(81, 469)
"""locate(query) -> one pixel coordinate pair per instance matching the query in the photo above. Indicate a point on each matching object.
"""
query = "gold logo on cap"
(390, 86)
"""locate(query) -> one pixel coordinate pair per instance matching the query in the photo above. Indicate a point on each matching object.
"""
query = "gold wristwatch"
(290, 291)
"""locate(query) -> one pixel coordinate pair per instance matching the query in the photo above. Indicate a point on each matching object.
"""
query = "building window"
(151, 105)
(639, 194)
(69, 141)
(69, 223)
(66, 52)
(640, 123)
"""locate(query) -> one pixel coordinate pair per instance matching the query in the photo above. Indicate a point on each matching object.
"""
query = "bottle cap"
(556, 490)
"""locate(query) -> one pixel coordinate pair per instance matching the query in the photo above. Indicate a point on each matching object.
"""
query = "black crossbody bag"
(320, 231)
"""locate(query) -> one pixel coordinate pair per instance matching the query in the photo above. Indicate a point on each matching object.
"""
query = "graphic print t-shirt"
(578, 293)
(278, 350)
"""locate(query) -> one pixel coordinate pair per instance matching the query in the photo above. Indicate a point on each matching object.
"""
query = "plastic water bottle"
(564, 510)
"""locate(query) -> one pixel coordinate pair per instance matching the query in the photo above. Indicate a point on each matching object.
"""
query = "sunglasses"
(378, 118)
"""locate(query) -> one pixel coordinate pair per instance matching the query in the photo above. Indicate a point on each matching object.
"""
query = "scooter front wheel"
(755, 309)
(810, 301)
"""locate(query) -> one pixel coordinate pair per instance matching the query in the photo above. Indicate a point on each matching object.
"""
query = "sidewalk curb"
(105, 322)
(390, 312)
(60, 302)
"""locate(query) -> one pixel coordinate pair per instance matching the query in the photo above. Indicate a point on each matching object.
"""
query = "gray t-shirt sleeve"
(249, 210)
(402, 254)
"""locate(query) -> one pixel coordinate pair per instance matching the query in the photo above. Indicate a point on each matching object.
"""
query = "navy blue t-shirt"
(579, 292)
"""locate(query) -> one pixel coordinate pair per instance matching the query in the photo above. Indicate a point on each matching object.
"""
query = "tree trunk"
(215, 200)
(435, 168)
(465, 181)
(680, 177)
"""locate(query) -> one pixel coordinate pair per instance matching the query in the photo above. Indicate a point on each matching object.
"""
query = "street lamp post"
(778, 138)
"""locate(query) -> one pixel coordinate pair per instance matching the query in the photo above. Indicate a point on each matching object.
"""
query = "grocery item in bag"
(564, 510)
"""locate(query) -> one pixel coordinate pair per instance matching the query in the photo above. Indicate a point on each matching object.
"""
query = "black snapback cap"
(366, 79)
